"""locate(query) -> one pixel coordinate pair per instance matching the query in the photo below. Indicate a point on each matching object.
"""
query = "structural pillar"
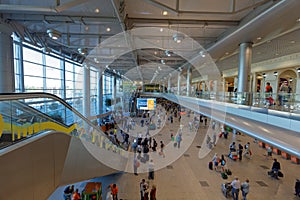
(7, 73)
(244, 66)
(178, 83)
(188, 81)
(169, 85)
(86, 91)
(100, 91)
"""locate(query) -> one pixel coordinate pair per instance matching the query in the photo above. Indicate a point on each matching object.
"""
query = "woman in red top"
(114, 191)
(153, 193)
(76, 195)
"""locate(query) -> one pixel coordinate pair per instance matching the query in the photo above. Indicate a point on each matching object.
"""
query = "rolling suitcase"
(210, 165)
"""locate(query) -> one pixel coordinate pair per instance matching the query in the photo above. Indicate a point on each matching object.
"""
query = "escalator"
(47, 143)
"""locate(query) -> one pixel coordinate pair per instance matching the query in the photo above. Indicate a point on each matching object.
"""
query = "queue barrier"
(295, 160)
(261, 144)
(276, 151)
(285, 155)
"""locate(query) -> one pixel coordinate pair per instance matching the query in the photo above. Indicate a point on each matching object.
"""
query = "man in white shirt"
(236, 185)
(151, 170)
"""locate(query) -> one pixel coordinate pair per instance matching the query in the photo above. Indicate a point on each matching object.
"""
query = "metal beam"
(69, 5)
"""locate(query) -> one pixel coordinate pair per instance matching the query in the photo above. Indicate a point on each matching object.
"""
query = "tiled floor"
(189, 177)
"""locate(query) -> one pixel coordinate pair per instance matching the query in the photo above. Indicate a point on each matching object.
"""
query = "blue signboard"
(146, 103)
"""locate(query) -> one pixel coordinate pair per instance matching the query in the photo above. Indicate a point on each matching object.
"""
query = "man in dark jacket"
(275, 168)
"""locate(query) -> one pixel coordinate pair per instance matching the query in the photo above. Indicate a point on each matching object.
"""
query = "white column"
(7, 73)
(188, 81)
(244, 66)
(86, 91)
(100, 91)
(178, 83)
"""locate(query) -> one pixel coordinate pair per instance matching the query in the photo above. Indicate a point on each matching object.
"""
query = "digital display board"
(146, 103)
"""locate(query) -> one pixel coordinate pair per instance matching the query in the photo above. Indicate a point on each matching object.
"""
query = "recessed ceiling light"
(54, 34)
(293, 42)
(108, 29)
(86, 28)
(259, 38)
(82, 51)
(161, 29)
(298, 20)
(155, 52)
(97, 10)
(164, 13)
(227, 53)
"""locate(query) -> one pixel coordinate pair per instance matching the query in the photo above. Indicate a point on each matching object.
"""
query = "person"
(153, 193)
(223, 162)
(162, 145)
(275, 168)
(143, 184)
(114, 191)
(248, 152)
(215, 161)
(232, 147)
(151, 170)
(236, 185)
(68, 192)
(282, 92)
(178, 139)
(240, 151)
(269, 88)
(269, 152)
(245, 189)
(136, 165)
(297, 187)
(76, 195)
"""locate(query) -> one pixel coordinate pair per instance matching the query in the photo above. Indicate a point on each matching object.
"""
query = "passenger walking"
(223, 162)
(114, 191)
(143, 185)
(151, 170)
(162, 146)
(240, 151)
(178, 139)
(236, 185)
(215, 160)
(275, 168)
(245, 189)
(153, 193)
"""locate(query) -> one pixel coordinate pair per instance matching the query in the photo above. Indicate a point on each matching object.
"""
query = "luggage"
(224, 175)
(210, 165)
(280, 174)
(228, 172)
(175, 144)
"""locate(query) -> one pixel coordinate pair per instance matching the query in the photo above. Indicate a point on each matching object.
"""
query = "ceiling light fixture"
(108, 29)
(202, 54)
(54, 34)
(178, 37)
(276, 74)
(164, 13)
(82, 51)
(298, 70)
(97, 10)
(161, 29)
(264, 75)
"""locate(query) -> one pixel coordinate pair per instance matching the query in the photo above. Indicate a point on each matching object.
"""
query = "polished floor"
(190, 178)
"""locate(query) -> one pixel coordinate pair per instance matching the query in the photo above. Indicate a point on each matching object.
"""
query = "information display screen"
(146, 103)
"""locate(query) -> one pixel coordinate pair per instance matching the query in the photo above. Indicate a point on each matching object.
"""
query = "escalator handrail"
(18, 96)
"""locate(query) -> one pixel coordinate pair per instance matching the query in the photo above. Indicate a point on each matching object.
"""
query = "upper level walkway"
(277, 128)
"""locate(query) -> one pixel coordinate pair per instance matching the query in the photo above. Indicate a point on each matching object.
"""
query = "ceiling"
(150, 54)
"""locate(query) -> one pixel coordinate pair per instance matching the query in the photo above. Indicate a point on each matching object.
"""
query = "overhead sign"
(146, 103)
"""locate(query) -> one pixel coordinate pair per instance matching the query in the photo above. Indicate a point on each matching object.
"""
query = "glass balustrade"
(23, 115)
